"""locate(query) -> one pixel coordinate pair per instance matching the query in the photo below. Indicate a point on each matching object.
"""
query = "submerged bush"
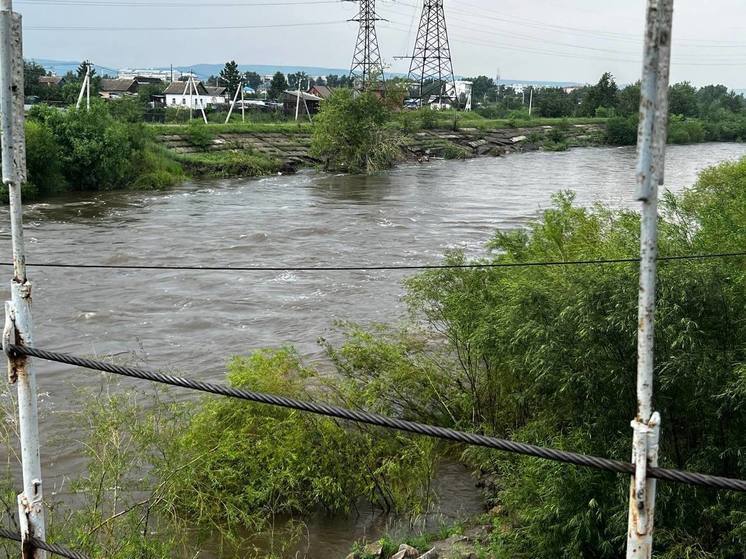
(350, 133)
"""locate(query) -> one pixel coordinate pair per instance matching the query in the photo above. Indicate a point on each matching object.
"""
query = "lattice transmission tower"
(431, 68)
(367, 68)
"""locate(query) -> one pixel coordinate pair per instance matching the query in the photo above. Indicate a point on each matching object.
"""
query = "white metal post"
(531, 102)
(233, 103)
(297, 101)
(84, 88)
(651, 147)
(18, 310)
(243, 105)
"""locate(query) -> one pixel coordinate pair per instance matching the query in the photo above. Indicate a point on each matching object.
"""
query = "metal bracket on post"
(9, 335)
(645, 454)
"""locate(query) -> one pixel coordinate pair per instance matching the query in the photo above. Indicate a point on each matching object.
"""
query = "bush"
(548, 356)
(92, 150)
(43, 161)
(622, 131)
(200, 135)
(685, 131)
(350, 134)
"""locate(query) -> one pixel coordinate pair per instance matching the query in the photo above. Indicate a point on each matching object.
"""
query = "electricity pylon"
(367, 68)
(431, 68)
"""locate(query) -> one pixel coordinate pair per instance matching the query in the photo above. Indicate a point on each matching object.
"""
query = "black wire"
(41, 544)
(384, 421)
(631, 260)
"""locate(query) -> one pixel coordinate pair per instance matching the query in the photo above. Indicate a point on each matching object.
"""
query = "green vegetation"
(234, 163)
(541, 355)
(547, 355)
(350, 134)
(92, 150)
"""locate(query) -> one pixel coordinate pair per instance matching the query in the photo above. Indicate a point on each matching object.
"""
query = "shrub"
(350, 134)
(622, 131)
(200, 135)
(43, 160)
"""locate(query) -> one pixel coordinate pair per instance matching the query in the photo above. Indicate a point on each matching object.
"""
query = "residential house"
(51, 81)
(179, 94)
(116, 89)
(322, 91)
(218, 95)
(305, 104)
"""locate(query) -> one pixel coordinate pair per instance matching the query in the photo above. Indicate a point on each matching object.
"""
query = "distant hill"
(62, 67)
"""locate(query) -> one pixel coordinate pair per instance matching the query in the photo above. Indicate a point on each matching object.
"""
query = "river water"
(193, 322)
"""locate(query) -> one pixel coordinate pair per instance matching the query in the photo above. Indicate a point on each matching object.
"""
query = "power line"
(372, 268)
(116, 3)
(326, 410)
(189, 28)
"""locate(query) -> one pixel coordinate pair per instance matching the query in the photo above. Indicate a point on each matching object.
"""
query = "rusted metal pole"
(651, 144)
(18, 310)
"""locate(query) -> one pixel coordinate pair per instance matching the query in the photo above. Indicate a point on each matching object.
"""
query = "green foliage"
(91, 150)
(200, 135)
(682, 98)
(43, 160)
(239, 163)
(622, 131)
(231, 76)
(278, 86)
(548, 356)
(127, 109)
(603, 94)
(252, 462)
(685, 131)
(349, 134)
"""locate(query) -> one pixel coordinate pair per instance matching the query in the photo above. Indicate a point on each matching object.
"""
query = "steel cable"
(474, 266)
(41, 544)
(576, 459)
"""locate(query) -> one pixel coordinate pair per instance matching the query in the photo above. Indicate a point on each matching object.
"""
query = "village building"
(51, 81)
(116, 89)
(305, 104)
(322, 91)
(182, 94)
(218, 95)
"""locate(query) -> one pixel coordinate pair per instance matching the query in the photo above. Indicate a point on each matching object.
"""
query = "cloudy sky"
(568, 40)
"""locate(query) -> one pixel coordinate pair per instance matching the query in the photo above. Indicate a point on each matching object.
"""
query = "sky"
(547, 40)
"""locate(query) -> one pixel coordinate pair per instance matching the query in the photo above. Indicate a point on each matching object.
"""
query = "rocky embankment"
(292, 149)
(466, 546)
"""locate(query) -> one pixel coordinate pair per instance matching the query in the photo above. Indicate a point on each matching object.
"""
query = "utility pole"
(85, 88)
(651, 150)
(531, 101)
(366, 62)
(18, 326)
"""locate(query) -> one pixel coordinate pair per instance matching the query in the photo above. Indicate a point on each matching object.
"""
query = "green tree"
(682, 98)
(553, 102)
(253, 79)
(31, 74)
(629, 100)
(83, 68)
(278, 86)
(298, 78)
(603, 94)
(231, 76)
(349, 133)
(483, 89)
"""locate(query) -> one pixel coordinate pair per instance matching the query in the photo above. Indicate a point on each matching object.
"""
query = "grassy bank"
(237, 128)
(225, 164)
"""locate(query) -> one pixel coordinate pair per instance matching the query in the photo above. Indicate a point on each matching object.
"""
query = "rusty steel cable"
(371, 268)
(616, 466)
(41, 544)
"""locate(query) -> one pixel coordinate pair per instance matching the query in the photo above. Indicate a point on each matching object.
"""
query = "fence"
(643, 468)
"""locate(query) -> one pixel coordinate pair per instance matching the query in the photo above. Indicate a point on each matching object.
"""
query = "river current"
(193, 322)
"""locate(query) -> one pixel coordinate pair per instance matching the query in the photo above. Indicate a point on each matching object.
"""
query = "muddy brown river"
(193, 322)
